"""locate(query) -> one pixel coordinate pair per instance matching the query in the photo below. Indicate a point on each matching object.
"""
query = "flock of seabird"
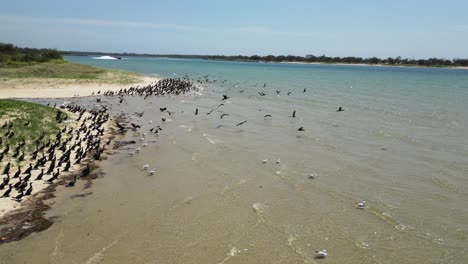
(52, 155)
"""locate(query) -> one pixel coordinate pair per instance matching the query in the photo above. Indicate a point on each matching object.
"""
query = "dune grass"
(68, 71)
(27, 122)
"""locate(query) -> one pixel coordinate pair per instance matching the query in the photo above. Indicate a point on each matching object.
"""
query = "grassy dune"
(25, 122)
(67, 72)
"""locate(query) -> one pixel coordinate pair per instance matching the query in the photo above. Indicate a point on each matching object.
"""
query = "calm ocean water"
(401, 145)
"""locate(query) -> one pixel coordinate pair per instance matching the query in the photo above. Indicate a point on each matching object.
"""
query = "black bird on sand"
(29, 190)
(7, 168)
(196, 111)
(225, 97)
(223, 115)
(301, 129)
(7, 192)
(17, 174)
(18, 183)
(19, 196)
(28, 170)
(210, 112)
(72, 182)
(265, 116)
(220, 105)
(40, 175)
(86, 171)
(340, 109)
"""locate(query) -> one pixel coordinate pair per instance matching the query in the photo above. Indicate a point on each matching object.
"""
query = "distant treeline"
(11, 55)
(431, 62)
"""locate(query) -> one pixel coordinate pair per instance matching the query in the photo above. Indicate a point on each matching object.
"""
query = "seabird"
(361, 205)
(225, 97)
(224, 115)
(18, 197)
(145, 167)
(196, 111)
(241, 123)
(301, 129)
(29, 190)
(265, 116)
(210, 112)
(320, 254)
(220, 105)
(7, 192)
(151, 172)
(340, 109)
(72, 182)
(294, 114)
(305, 90)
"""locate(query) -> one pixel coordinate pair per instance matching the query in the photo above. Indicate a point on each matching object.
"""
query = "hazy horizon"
(419, 29)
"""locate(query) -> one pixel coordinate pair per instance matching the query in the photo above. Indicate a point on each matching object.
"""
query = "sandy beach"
(60, 88)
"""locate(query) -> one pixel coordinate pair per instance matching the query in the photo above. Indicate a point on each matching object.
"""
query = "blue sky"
(408, 28)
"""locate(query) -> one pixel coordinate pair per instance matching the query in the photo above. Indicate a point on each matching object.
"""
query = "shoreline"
(60, 88)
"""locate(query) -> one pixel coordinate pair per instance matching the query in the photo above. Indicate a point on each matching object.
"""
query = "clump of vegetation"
(68, 71)
(24, 123)
(11, 55)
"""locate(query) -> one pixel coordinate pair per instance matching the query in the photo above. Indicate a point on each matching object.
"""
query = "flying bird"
(294, 114)
(241, 123)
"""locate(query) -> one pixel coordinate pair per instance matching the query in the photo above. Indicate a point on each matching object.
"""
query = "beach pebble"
(311, 176)
(278, 161)
(278, 172)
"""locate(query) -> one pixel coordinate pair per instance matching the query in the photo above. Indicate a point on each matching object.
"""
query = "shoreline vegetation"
(308, 59)
(43, 73)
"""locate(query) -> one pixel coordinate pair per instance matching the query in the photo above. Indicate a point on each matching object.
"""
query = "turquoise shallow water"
(401, 144)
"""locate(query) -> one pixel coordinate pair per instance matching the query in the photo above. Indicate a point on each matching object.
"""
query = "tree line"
(431, 62)
(11, 55)
(434, 62)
